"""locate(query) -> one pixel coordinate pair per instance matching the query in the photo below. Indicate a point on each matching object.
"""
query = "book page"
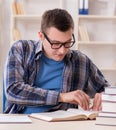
(90, 114)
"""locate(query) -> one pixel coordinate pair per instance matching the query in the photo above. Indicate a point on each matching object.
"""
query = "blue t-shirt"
(50, 78)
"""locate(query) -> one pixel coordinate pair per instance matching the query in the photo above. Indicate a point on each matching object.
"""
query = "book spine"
(83, 33)
(81, 6)
(18, 7)
(14, 8)
(86, 6)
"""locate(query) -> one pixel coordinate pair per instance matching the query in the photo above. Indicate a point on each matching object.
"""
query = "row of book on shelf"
(83, 7)
(108, 114)
(18, 7)
(83, 33)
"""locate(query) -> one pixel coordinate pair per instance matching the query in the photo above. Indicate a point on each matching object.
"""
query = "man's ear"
(41, 36)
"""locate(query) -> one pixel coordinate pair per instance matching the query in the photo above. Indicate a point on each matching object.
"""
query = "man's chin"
(58, 58)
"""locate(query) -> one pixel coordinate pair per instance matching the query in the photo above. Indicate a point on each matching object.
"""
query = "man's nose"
(62, 49)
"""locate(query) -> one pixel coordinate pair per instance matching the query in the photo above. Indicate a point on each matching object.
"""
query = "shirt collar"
(38, 50)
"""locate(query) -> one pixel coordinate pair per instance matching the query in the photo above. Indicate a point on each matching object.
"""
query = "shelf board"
(26, 16)
(96, 43)
(97, 17)
(108, 68)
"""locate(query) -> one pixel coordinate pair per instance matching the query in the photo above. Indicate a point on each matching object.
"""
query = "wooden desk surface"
(68, 125)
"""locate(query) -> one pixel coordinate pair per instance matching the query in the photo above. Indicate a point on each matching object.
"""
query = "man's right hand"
(76, 97)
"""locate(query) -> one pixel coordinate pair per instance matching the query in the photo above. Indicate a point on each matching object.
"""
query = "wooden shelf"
(26, 16)
(102, 17)
(96, 43)
(108, 69)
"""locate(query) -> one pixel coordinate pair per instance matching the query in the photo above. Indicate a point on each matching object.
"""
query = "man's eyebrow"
(60, 41)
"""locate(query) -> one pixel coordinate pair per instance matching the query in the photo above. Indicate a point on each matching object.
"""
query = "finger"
(97, 102)
(84, 99)
(87, 101)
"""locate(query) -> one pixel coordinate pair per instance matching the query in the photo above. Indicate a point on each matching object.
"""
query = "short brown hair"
(58, 18)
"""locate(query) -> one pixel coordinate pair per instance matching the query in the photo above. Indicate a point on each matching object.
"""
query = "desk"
(68, 125)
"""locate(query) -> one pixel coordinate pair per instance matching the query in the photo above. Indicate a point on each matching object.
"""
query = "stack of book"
(18, 7)
(108, 114)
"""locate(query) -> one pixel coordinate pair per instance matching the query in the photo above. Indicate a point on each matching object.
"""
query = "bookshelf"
(100, 26)
(99, 41)
(26, 16)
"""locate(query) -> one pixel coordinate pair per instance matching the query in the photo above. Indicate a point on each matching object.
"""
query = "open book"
(61, 115)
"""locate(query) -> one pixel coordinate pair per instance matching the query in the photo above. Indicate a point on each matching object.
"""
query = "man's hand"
(76, 97)
(97, 102)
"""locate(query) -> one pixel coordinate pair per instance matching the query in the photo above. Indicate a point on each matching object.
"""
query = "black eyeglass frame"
(60, 44)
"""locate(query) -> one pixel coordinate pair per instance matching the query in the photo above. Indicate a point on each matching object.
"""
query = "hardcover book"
(110, 90)
(106, 118)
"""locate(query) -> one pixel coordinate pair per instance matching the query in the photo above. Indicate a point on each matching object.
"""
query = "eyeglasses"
(57, 45)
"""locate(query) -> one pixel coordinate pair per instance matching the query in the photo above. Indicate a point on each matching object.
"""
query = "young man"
(47, 75)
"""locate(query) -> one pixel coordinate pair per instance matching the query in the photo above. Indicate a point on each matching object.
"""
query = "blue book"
(86, 6)
(81, 6)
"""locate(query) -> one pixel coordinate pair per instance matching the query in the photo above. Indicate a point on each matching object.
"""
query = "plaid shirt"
(22, 67)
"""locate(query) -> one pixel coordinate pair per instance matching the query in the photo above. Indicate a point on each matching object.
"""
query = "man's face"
(55, 36)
